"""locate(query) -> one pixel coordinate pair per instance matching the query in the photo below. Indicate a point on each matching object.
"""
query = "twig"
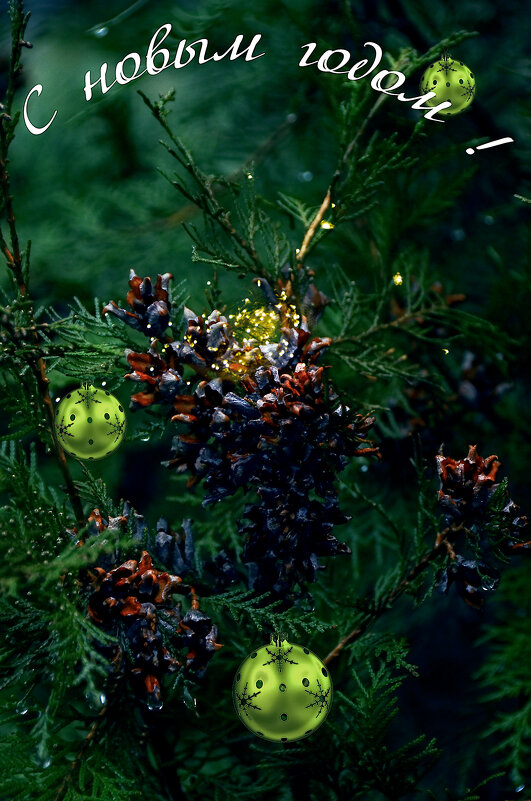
(75, 764)
(312, 228)
(376, 329)
(441, 544)
(206, 200)
(13, 257)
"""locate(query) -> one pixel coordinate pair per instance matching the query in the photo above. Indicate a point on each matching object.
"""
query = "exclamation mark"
(504, 141)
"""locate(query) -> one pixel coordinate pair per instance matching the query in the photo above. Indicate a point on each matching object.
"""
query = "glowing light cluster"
(398, 279)
(249, 331)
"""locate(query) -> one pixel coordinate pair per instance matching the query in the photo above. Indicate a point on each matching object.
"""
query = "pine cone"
(469, 494)
(134, 602)
(472, 499)
(288, 439)
(210, 348)
(467, 485)
(472, 579)
(150, 309)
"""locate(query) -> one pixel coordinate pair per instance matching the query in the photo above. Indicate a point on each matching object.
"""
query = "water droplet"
(103, 699)
(21, 708)
(100, 32)
(519, 788)
(43, 758)
(154, 704)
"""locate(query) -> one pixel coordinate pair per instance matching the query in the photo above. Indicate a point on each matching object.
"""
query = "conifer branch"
(312, 228)
(314, 225)
(14, 256)
(407, 63)
(77, 761)
(202, 194)
(442, 544)
(377, 329)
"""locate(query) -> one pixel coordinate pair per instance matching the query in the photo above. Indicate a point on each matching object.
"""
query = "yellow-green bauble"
(282, 692)
(450, 80)
(90, 423)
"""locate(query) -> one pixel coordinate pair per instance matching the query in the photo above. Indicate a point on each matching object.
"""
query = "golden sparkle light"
(397, 279)
(251, 327)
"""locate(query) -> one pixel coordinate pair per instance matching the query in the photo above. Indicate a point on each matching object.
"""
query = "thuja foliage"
(304, 387)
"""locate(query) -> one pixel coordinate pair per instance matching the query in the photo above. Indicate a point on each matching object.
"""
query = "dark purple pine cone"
(472, 578)
(209, 349)
(134, 602)
(467, 485)
(469, 494)
(256, 413)
(288, 438)
(488, 523)
(150, 308)
(284, 427)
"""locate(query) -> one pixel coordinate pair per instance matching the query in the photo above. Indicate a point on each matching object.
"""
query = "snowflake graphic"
(320, 698)
(86, 396)
(470, 90)
(280, 657)
(245, 700)
(62, 429)
(446, 64)
(117, 427)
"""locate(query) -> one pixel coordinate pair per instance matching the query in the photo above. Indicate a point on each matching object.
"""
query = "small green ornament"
(282, 692)
(90, 423)
(450, 80)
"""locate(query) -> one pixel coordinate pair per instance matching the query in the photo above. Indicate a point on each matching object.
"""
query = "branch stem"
(75, 764)
(442, 544)
(315, 223)
(14, 256)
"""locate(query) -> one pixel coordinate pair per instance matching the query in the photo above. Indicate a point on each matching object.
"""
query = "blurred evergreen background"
(89, 196)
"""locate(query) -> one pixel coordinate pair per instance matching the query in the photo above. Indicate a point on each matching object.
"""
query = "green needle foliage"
(282, 185)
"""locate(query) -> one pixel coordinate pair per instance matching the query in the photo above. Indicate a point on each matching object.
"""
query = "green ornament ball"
(90, 423)
(450, 80)
(282, 692)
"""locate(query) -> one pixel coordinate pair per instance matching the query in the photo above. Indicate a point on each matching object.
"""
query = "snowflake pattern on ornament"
(245, 700)
(87, 396)
(280, 657)
(470, 90)
(117, 427)
(321, 698)
(62, 429)
(446, 64)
